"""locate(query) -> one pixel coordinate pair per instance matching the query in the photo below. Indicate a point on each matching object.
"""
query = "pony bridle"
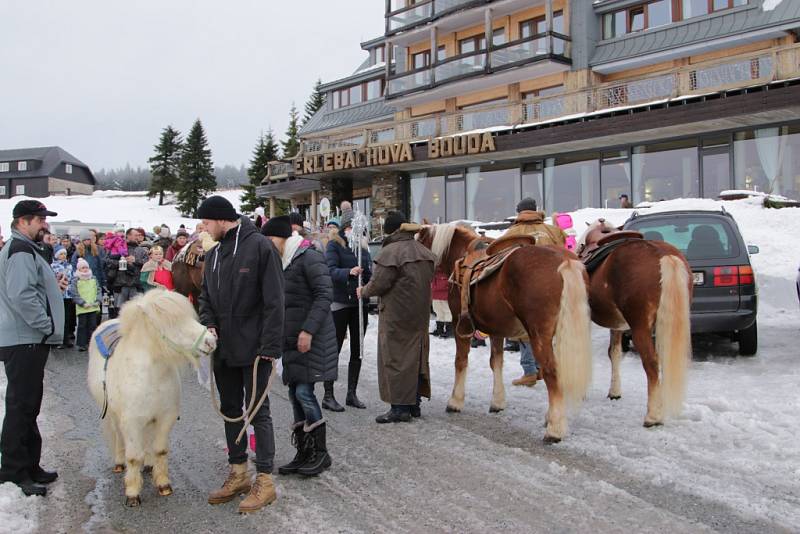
(192, 352)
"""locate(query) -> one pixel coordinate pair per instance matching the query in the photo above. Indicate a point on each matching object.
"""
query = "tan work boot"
(525, 380)
(237, 483)
(261, 494)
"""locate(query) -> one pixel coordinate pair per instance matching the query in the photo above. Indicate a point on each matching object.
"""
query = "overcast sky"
(101, 78)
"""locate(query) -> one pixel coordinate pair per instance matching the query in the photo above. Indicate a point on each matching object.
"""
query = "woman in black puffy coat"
(309, 349)
(344, 269)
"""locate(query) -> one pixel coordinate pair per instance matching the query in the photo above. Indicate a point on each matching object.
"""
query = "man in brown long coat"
(402, 279)
(531, 222)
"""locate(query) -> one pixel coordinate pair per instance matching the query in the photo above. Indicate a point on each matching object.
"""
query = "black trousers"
(69, 321)
(20, 442)
(347, 318)
(235, 386)
(87, 322)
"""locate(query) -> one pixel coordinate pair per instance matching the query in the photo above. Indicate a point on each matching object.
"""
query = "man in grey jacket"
(31, 319)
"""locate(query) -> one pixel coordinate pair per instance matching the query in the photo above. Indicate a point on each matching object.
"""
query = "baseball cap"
(31, 207)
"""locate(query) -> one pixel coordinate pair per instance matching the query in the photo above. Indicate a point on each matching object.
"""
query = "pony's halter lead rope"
(250, 412)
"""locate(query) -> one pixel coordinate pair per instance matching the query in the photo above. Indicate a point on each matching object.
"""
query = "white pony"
(141, 395)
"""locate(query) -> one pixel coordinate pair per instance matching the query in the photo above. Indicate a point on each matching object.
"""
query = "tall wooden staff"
(360, 232)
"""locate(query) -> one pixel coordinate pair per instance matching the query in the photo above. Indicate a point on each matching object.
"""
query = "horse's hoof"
(147, 469)
(165, 490)
(614, 397)
(495, 409)
(451, 409)
(551, 440)
(118, 468)
(133, 502)
(651, 424)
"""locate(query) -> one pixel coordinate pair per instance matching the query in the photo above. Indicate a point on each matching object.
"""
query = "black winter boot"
(447, 331)
(399, 413)
(353, 371)
(328, 400)
(439, 329)
(299, 442)
(318, 458)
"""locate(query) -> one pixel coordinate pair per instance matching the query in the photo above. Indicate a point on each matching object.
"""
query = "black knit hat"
(393, 221)
(526, 204)
(278, 227)
(295, 218)
(217, 208)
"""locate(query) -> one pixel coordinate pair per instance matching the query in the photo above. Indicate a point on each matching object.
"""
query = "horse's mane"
(154, 317)
(443, 236)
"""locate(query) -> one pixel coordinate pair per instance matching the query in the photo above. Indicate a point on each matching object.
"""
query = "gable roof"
(49, 156)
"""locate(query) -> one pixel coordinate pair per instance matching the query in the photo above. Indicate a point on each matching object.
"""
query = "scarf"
(84, 275)
(289, 249)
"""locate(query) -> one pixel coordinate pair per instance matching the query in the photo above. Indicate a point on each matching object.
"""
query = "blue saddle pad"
(107, 339)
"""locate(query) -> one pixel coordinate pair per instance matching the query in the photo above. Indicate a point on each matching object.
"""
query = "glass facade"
(765, 159)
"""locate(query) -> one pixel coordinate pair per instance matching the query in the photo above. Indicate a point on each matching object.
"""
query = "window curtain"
(473, 174)
(770, 147)
(418, 183)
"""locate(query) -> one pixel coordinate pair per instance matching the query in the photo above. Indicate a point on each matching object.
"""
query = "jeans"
(304, 404)
(526, 359)
(124, 294)
(21, 443)
(233, 383)
(87, 322)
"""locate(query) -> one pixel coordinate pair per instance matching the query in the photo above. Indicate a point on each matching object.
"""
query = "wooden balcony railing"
(740, 71)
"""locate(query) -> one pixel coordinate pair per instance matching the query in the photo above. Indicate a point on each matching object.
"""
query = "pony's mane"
(443, 236)
(153, 316)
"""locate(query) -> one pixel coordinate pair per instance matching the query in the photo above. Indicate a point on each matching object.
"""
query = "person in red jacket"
(180, 241)
(439, 289)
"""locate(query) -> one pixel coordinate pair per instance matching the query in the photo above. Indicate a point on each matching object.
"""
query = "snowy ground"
(733, 453)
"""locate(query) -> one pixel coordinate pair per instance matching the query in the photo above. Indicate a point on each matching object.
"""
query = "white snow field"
(735, 442)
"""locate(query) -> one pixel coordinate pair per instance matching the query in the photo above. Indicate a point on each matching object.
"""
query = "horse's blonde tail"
(573, 334)
(673, 336)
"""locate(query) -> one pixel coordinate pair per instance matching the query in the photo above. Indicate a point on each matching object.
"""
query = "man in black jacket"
(242, 304)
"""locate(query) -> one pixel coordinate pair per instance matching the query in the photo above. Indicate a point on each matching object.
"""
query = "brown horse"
(538, 293)
(187, 271)
(644, 286)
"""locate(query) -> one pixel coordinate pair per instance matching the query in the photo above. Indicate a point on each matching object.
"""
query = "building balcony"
(405, 18)
(546, 49)
(673, 86)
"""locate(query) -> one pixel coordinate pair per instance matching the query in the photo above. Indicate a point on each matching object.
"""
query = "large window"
(492, 193)
(665, 171)
(768, 159)
(427, 198)
(456, 197)
(716, 162)
(358, 93)
(637, 18)
(615, 177)
(571, 183)
(533, 183)
(529, 28)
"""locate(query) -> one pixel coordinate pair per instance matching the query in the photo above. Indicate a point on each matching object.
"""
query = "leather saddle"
(479, 264)
(601, 242)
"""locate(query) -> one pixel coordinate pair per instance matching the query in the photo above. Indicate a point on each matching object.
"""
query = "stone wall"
(387, 195)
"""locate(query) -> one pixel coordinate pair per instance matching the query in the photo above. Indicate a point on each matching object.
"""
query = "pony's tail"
(573, 334)
(673, 336)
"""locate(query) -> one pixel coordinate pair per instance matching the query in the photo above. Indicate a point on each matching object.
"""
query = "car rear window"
(698, 237)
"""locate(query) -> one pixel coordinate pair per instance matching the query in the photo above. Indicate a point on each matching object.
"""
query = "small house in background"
(41, 172)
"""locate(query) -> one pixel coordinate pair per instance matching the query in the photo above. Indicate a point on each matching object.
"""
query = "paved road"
(469, 472)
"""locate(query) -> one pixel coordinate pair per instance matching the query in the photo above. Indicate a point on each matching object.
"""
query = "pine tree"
(165, 164)
(266, 150)
(315, 101)
(292, 144)
(196, 171)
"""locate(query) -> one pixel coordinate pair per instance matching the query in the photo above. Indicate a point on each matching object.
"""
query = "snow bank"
(132, 208)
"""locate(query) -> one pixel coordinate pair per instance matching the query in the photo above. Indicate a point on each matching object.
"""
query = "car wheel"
(748, 340)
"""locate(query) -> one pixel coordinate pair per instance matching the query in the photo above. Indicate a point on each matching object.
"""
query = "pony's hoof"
(495, 409)
(614, 397)
(165, 490)
(551, 439)
(147, 469)
(133, 502)
(118, 468)
(452, 409)
(651, 424)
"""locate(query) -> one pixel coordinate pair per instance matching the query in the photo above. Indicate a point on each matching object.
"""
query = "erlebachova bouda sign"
(358, 158)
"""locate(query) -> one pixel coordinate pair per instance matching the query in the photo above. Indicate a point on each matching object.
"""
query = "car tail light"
(746, 275)
(734, 275)
(726, 276)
